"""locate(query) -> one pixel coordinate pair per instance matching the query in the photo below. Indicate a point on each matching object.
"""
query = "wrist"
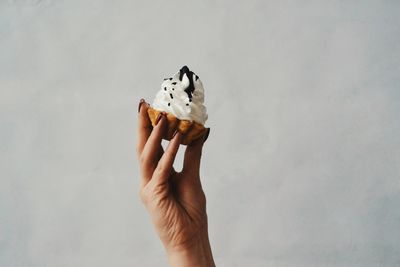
(196, 254)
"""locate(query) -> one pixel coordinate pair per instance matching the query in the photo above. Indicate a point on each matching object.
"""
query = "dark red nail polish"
(159, 118)
(140, 104)
(207, 134)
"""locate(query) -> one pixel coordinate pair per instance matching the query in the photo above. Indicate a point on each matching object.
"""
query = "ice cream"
(183, 96)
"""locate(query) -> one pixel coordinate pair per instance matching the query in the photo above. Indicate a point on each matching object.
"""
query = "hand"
(175, 200)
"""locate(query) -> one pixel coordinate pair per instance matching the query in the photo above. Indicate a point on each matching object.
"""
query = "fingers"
(144, 126)
(191, 162)
(164, 167)
(152, 149)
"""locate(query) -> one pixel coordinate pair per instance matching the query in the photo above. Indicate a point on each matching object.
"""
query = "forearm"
(198, 254)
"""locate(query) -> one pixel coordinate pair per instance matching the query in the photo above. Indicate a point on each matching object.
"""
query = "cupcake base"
(191, 130)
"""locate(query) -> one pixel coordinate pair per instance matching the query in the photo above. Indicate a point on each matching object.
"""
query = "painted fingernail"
(140, 104)
(207, 134)
(159, 118)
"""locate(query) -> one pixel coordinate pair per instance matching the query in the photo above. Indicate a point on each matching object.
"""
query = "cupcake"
(181, 98)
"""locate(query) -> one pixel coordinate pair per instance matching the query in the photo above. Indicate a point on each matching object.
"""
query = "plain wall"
(302, 166)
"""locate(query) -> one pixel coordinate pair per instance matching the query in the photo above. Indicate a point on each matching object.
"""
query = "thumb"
(192, 158)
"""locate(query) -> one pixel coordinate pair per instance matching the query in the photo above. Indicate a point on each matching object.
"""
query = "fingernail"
(140, 104)
(205, 137)
(159, 118)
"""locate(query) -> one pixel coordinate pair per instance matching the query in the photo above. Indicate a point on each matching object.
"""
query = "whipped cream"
(183, 96)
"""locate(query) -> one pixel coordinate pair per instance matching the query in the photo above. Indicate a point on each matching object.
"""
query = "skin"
(175, 200)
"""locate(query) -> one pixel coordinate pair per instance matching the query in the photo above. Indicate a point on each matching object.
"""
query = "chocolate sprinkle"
(174, 83)
(165, 88)
(171, 96)
(169, 104)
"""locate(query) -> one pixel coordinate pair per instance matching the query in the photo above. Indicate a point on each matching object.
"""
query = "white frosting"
(172, 98)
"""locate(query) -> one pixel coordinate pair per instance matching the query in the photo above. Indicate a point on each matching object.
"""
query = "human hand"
(175, 200)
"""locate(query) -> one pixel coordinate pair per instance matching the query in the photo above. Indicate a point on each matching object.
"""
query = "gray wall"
(302, 164)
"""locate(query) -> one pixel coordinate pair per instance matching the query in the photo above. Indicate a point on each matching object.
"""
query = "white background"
(302, 164)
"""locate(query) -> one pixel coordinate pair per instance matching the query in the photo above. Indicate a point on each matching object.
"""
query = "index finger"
(164, 166)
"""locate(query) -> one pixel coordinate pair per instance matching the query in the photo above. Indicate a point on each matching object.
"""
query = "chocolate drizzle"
(189, 90)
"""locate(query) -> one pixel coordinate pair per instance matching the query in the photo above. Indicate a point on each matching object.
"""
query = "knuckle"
(161, 168)
(142, 158)
(169, 154)
(158, 190)
(158, 195)
(153, 196)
